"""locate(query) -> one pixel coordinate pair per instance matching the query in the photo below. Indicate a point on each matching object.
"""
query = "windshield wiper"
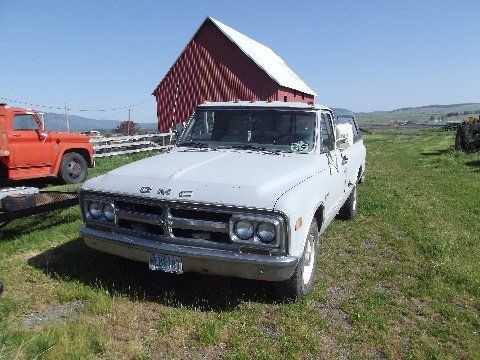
(249, 147)
(252, 147)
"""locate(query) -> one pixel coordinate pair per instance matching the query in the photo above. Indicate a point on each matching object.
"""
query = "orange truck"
(28, 151)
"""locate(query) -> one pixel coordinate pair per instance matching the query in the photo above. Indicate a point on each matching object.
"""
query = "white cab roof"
(263, 104)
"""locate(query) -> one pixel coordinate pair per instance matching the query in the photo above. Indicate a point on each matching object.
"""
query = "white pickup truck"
(246, 192)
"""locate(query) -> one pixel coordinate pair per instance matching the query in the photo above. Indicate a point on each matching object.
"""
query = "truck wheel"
(349, 209)
(303, 278)
(466, 140)
(3, 176)
(458, 139)
(73, 168)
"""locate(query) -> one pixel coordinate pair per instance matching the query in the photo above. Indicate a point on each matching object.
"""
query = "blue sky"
(360, 55)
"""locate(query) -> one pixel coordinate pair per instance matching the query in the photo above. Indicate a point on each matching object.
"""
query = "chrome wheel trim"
(74, 168)
(309, 260)
(354, 203)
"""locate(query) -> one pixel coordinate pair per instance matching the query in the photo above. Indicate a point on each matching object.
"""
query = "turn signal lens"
(298, 224)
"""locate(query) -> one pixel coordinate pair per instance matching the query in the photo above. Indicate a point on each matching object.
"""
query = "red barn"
(221, 64)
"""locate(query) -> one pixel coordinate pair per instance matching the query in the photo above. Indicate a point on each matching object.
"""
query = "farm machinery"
(468, 135)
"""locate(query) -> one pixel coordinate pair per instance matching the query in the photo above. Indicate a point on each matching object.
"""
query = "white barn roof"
(266, 59)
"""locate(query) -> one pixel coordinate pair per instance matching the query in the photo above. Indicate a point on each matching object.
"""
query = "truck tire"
(458, 139)
(466, 139)
(3, 176)
(73, 168)
(349, 210)
(18, 202)
(303, 278)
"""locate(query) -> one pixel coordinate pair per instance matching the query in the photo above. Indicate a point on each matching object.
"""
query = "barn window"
(303, 96)
(285, 98)
(294, 93)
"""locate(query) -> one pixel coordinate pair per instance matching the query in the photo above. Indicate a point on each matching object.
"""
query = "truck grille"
(173, 221)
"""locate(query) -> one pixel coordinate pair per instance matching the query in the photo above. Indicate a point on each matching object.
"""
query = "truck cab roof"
(280, 105)
(17, 109)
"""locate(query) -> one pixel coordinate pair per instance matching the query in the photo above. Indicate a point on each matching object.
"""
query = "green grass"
(401, 281)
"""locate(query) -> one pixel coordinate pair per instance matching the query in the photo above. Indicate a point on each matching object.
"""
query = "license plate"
(166, 263)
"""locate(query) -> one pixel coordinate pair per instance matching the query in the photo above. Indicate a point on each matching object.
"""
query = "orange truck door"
(28, 147)
(4, 146)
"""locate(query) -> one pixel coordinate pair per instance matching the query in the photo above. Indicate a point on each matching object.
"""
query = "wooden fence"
(123, 145)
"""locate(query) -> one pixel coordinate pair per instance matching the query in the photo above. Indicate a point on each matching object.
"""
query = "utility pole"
(128, 124)
(66, 116)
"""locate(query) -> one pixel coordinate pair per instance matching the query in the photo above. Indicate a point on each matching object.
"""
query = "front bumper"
(194, 259)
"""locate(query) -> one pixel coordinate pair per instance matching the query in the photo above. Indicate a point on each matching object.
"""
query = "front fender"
(302, 201)
(62, 149)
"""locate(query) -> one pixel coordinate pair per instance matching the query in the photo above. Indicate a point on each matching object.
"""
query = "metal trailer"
(44, 201)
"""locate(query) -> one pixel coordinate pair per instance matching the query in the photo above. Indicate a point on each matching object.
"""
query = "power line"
(70, 109)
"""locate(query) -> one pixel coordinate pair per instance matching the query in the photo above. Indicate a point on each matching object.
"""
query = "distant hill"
(77, 123)
(422, 114)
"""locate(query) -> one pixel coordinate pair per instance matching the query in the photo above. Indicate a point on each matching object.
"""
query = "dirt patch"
(212, 352)
(331, 349)
(57, 314)
(333, 315)
(370, 244)
(383, 288)
(340, 292)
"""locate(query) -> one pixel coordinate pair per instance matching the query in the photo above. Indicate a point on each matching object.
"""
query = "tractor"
(468, 135)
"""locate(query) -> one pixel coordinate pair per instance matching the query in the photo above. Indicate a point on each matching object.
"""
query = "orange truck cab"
(28, 151)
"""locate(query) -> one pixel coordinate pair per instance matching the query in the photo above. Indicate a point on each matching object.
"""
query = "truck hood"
(68, 137)
(237, 178)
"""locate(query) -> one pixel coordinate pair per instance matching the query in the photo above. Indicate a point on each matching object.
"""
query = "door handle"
(16, 135)
(344, 159)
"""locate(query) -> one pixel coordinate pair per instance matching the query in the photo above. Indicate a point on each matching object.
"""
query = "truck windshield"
(283, 131)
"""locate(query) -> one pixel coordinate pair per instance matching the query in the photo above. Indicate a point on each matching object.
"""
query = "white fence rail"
(123, 145)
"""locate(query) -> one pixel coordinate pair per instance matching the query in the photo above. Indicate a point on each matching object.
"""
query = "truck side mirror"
(343, 136)
(179, 129)
(42, 135)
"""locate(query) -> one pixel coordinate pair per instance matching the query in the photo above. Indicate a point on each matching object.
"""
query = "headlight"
(95, 209)
(266, 232)
(243, 229)
(109, 212)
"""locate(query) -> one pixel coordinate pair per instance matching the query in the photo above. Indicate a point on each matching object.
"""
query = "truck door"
(29, 145)
(4, 145)
(336, 184)
(351, 157)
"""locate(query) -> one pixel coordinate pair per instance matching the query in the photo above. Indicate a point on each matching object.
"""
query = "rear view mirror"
(343, 136)
(42, 135)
